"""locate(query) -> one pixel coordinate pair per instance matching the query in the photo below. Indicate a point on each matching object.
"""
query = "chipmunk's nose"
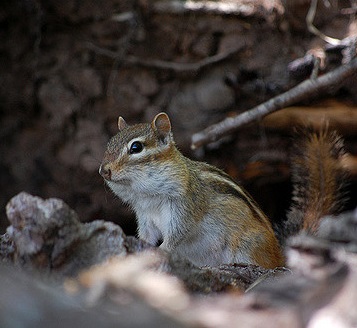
(105, 172)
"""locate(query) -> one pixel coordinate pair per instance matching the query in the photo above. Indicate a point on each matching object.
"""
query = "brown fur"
(318, 179)
(198, 210)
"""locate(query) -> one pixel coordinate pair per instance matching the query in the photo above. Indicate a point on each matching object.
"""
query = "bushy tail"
(318, 180)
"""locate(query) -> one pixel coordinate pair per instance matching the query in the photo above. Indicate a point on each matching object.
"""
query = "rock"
(104, 270)
(341, 230)
(31, 301)
(48, 236)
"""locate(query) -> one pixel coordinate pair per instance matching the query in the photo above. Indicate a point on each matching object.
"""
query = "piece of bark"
(233, 276)
(48, 236)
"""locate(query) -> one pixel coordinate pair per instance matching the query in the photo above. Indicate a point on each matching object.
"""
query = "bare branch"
(166, 65)
(301, 92)
(207, 7)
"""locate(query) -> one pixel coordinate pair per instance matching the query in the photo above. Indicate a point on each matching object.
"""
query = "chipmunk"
(195, 209)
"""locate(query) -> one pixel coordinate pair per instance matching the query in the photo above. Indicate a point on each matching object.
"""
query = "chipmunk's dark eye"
(136, 147)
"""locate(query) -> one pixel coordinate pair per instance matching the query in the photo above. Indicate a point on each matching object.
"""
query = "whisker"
(107, 191)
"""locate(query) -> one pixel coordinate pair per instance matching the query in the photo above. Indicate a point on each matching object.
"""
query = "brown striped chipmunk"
(197, 210)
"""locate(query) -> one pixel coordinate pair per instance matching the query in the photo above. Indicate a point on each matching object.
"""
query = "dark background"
(68, 69)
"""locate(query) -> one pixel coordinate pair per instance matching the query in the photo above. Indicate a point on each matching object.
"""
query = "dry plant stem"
(301, 92)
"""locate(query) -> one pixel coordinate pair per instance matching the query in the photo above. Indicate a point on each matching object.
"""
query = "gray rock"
(47, 235)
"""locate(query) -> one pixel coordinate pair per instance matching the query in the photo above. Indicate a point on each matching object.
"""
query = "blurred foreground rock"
(32, 302)
(93, 275)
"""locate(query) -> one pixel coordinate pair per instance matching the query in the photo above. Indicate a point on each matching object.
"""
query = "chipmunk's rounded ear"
(161, 124)
(121, 123)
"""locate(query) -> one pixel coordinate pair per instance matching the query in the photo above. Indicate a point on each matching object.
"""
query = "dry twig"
(311, 27)
(203, 7)
(301, 92)
(166, 65)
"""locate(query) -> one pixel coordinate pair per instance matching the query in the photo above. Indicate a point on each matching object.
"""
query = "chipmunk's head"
(137, 153)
